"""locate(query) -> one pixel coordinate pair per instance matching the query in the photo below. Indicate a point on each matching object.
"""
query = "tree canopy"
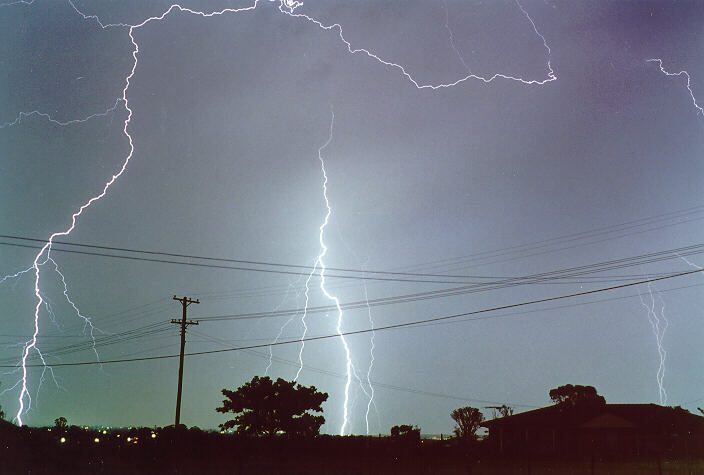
(574, 395)
(61, 423)
(467, 420)
(264, 407)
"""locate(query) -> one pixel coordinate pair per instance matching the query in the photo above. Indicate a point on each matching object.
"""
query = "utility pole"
(185, 302)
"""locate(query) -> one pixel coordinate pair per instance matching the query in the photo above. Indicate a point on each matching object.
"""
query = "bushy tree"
(467, 420)
(268, 408)
(576, 395)
(61, 423)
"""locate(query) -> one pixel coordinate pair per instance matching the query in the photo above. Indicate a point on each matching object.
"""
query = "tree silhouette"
(467, 421)
(405, 431)
(61, 423)
(576, 395)
(263, 407)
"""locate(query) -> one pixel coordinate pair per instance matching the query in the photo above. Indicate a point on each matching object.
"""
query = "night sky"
(485, 181)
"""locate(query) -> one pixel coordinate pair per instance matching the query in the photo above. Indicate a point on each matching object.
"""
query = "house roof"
(622, 416)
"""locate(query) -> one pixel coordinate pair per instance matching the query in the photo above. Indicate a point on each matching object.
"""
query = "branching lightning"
(659, 324)
(16, 275)
(307, 296)
(87, 323)
(700, 110)
(289, 8)
(371, 360)
(281, 330)
(48, 117)
(320, 263)
(451, 35)
(19, 2)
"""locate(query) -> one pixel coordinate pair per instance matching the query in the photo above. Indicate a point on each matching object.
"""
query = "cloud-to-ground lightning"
(659, 323)
(45, 251)
(371, 400)
(320, 263)
(700, 110)
(287, 7)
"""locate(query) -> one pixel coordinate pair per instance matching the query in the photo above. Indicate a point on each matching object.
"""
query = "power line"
(464, 260)
(98, 344)
(305, 270)
(239, 268)
(538, 278)
(107, 340)
(479, 287)
(374, 329)
(542, 278)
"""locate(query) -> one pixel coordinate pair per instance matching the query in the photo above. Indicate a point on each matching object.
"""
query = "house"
(604, 430)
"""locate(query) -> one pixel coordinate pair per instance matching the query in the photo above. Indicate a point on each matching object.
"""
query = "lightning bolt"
(320, 263)
(452, 37)
(281, 330)
(49, 118)
(307, 286)
(684, 73)
(349, 366)
(287, 7)
(45, 251)
(370, 395)
(659, 325)
(16, 275)
(87, 322)
(25, 2)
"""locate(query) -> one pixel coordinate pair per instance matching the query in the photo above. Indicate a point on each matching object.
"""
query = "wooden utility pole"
(185, 302)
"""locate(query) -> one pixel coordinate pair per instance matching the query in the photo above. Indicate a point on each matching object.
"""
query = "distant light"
(129, 439)
(105, 432)
(49, 429)
(153, 435)
(96, 440)
(86, 427)
(118, 435)
(62, 440)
